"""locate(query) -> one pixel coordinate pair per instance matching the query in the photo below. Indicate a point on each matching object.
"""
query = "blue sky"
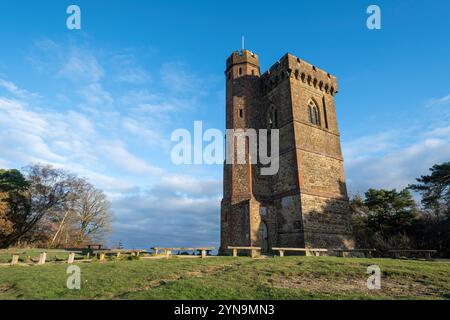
(102, 101)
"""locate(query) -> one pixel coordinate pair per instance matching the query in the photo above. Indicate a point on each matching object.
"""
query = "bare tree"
(49, 206)
(62, 227)
(92, 215)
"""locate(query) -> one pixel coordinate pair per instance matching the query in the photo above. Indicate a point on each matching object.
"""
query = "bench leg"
(234, 252)
(15, 260)
(428, 256)
(281, 253)
(102, 257)
(203, 253)
(71, 258)
(42, 258)
(254, 253)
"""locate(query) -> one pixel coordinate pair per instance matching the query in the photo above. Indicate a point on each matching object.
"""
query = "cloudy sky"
(103, 101)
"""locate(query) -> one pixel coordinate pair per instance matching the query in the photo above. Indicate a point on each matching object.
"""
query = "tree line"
(45, 206)
(391, 219)
(50, 207)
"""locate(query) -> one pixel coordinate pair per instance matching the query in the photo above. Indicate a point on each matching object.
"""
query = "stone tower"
(304, 205)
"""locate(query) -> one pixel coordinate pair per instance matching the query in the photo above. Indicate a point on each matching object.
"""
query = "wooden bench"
(70, 259)
(254, 251)
(204, 251)
(367, 252)
(308, 251)
(92, 249)
(426, 253)
(42, 257)
(95, 246)
(119, 252)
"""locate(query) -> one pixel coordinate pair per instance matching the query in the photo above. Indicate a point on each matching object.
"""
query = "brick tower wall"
(305, 204)
(324, 201)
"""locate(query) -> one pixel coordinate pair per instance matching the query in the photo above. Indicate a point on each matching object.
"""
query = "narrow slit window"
(273, 118)
(325, 112)
(241, 113)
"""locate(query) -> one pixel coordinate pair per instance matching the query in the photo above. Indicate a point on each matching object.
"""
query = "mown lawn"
(231, 278)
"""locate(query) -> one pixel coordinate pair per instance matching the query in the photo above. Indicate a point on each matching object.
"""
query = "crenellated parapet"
(242, 57)
(289, 66)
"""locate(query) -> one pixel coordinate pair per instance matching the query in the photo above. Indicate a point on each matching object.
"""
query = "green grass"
(231, 278)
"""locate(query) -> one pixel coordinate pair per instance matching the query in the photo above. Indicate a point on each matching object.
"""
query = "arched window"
(313, 113)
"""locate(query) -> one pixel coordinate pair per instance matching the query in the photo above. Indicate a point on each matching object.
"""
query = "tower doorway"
(264, 237)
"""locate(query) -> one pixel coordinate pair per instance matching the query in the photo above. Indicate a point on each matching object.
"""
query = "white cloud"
(192, 186)
(66, 139)
(81, 65)
(147, 136)
(98, 132)
(18, 92)
(123, 159)
(372, 145)
(164, 216)
(96, 97)
(133, 75)
(178, 77)
(439, 101)
(397, 167)
(128, 69)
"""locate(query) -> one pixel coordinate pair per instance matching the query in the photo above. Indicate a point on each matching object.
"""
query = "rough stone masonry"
(304, 205)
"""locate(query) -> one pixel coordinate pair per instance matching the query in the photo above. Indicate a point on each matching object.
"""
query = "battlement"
(240, 57)
(292, 66)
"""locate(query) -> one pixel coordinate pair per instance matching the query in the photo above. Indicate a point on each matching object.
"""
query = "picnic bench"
(204, 251)
(93, 249)
(366, 252)
(94, 246)
(254, 251)
(308, 251)
(103, 253)
(426, 253)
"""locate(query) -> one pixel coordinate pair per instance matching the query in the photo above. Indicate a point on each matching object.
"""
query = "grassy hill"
(231, 278)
